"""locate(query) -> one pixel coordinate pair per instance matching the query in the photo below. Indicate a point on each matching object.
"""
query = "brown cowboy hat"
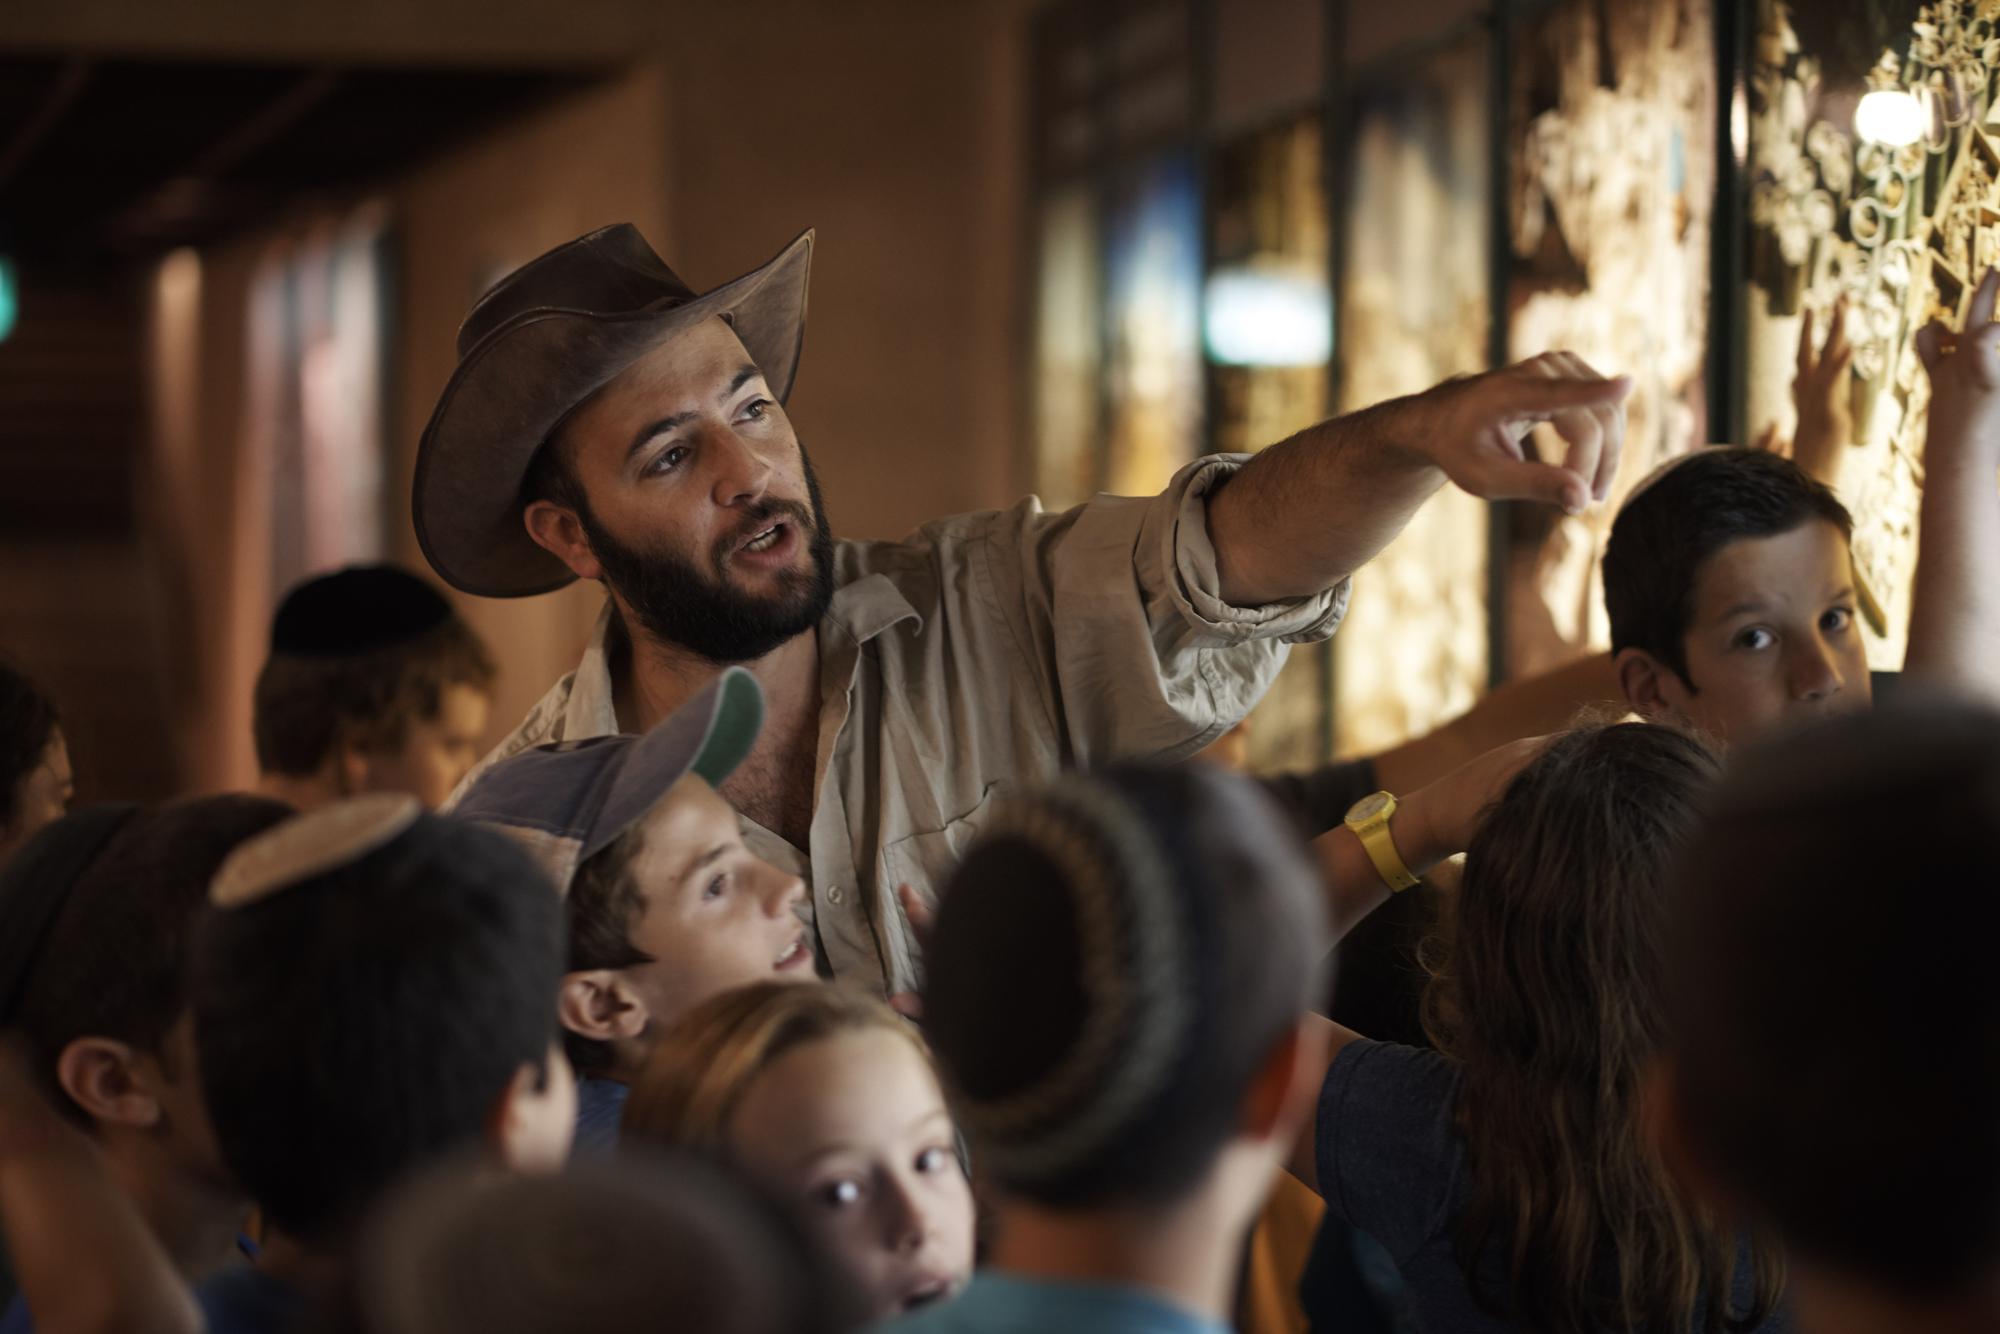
(544, 339)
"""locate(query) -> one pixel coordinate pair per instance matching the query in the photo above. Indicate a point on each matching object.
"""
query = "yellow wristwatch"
(1369, 819)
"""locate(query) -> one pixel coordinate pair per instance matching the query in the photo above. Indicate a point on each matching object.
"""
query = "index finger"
(919, 914)
(1836, 332)
(1542, 398)
(1806, 344)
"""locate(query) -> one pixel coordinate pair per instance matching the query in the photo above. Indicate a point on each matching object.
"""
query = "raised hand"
(1822, 391)
(1955, 605)
(1474, 430)
(1964, 367)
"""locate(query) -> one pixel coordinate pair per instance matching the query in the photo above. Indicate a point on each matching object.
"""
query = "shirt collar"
(868, 606)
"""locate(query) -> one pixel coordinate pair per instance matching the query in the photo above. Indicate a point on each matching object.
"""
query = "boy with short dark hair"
(1732, 597)
(1731, 587)
(373, 684)
(1834, 1052)
(667, 907)
(374, 989)
(1119, 975)
(98, 913)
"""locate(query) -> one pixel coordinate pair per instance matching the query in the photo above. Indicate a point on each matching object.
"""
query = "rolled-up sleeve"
(1116, 607)
(1186, 564)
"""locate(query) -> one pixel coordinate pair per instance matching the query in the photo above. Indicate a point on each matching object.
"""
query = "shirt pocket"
(925, 862)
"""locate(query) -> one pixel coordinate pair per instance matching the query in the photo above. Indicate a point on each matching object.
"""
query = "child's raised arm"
(1955, 613)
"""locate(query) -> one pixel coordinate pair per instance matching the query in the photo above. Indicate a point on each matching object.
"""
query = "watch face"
(1368, 807)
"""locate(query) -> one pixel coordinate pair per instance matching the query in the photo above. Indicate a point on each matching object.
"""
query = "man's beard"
(697, 610)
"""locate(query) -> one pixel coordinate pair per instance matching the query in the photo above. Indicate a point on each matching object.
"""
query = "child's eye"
(1837, 620)
(1756, 637)
(716, 887)
(839, 1194)
(934, 1159)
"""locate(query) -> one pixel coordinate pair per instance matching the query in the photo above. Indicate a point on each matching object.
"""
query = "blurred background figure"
(666, 1242)
(1832, 1073)
(373, 685)
(35, 780)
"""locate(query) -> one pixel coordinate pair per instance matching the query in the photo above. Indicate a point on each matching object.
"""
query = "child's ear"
(534, 1121)
(1640, 676)
(1281, 1095)
(597, 1004)
(102, 1077)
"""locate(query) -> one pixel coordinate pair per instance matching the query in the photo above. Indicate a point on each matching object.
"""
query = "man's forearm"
(1955, 611)
(1311, 510)
(1314, 508)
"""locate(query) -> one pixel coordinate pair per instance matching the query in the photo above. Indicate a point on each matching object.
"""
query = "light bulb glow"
(1889, 116)
(1267, 317)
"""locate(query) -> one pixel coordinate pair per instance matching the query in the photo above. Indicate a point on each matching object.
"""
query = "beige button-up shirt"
(983, 653)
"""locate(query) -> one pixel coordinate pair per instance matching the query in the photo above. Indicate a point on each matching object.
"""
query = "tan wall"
(896, 130)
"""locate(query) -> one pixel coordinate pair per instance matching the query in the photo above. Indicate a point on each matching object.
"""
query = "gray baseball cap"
(566, 801)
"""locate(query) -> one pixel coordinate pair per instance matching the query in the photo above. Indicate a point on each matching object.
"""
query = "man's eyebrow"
(660, 427)
(744, 375)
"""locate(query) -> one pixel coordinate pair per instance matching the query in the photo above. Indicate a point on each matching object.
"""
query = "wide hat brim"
(513, 387)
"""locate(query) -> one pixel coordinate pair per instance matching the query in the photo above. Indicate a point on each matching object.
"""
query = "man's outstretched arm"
(1955, 610)
(1312, 509)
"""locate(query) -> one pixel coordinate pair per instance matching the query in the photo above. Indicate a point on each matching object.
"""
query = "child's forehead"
(684, 825)
(1803, 564)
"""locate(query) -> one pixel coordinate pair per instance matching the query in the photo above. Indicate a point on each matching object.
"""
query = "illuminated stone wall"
(1613, 184)
(1900, 232)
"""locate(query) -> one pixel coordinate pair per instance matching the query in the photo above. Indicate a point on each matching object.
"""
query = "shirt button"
(835, 894)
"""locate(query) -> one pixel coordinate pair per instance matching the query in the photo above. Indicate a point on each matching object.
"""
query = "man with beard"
(607, 422)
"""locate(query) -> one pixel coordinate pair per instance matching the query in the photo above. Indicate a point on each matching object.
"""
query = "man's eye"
(669, 459)
(1837, 620)
(757, 409)
(716, 887)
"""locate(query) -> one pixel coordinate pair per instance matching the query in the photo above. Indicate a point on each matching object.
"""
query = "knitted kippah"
(1069, 907)
(310, 845)
(356, 610)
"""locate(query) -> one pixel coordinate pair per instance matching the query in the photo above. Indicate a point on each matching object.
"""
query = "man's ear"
(557, 530)
(102, 1076)
(1641, 676)
(1665, 1127)
(1281, 1093)
(597, 1004)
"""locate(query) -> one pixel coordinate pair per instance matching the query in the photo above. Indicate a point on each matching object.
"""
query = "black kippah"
(356, 610)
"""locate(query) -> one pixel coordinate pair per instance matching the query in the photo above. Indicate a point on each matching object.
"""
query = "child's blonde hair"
(696, 1075)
